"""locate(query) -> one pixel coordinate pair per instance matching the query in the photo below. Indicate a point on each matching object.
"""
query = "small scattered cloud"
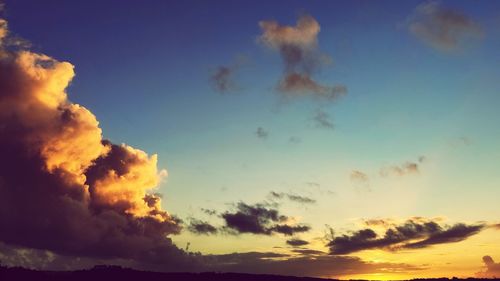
(443, 28)
(261, 133)
(294, 140)
(408, 168)
(209, 212)
(323, 120)
(222, 79)
(491, 268)
(297, 242)
(201, 227)
(292, 197)
(358, 176)
(298, 47)
(413, 234)
(223, 76)
(308, 252)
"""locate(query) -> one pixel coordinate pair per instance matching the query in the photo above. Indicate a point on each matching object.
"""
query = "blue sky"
(144, 67)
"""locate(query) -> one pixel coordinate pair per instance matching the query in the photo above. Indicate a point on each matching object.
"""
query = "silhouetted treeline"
(123, 274)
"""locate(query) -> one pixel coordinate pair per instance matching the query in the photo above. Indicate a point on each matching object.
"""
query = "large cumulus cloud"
(63, 187)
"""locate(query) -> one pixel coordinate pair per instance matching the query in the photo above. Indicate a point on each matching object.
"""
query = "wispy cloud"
(261, 133)
(443, 28)
(323, 120)
(223, 76)
(407, 168)
(292, 197)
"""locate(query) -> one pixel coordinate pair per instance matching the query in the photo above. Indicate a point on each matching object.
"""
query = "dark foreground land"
(123, 274)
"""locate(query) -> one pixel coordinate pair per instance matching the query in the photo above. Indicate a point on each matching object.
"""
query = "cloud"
(298, 46)
(201, 227)
(308, 252)
(294, 140)
(63, 187)
(497, 226)
(297, 242)
(404, 169)
(492, 268)
(322, 120)
(413, 234)
(358, 176)
(259, 219)
(309, 264)
(442, 28)
(209, 212)
(222, 79)
(12, 256)
(290, 230)
(261, 133)
(299, 83)
(223, 76)
(292, 197)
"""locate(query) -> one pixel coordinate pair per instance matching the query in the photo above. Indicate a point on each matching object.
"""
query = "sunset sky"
(342, 139)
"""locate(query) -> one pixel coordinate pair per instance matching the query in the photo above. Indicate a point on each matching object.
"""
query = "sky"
(343, 139)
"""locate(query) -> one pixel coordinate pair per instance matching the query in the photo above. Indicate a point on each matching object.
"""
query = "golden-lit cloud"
(80, 194)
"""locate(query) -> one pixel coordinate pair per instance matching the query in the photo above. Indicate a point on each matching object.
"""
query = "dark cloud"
(62, 187)
(292, 197)
(298, 46)
(310, 264)
(297, 242)
(223, 76)
(308, 252)
(294, 139)
(443, 28)
(209, 212)
(290, 230)
(259, 219)
(323, 120)
(492, 269)
(261, 133)
(201, 227)
(222, 79)
(413, 234)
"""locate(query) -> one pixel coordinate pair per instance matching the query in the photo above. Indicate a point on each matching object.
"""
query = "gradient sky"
(145, 70)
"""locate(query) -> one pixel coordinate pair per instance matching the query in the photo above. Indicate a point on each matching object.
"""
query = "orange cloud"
(62, 187)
